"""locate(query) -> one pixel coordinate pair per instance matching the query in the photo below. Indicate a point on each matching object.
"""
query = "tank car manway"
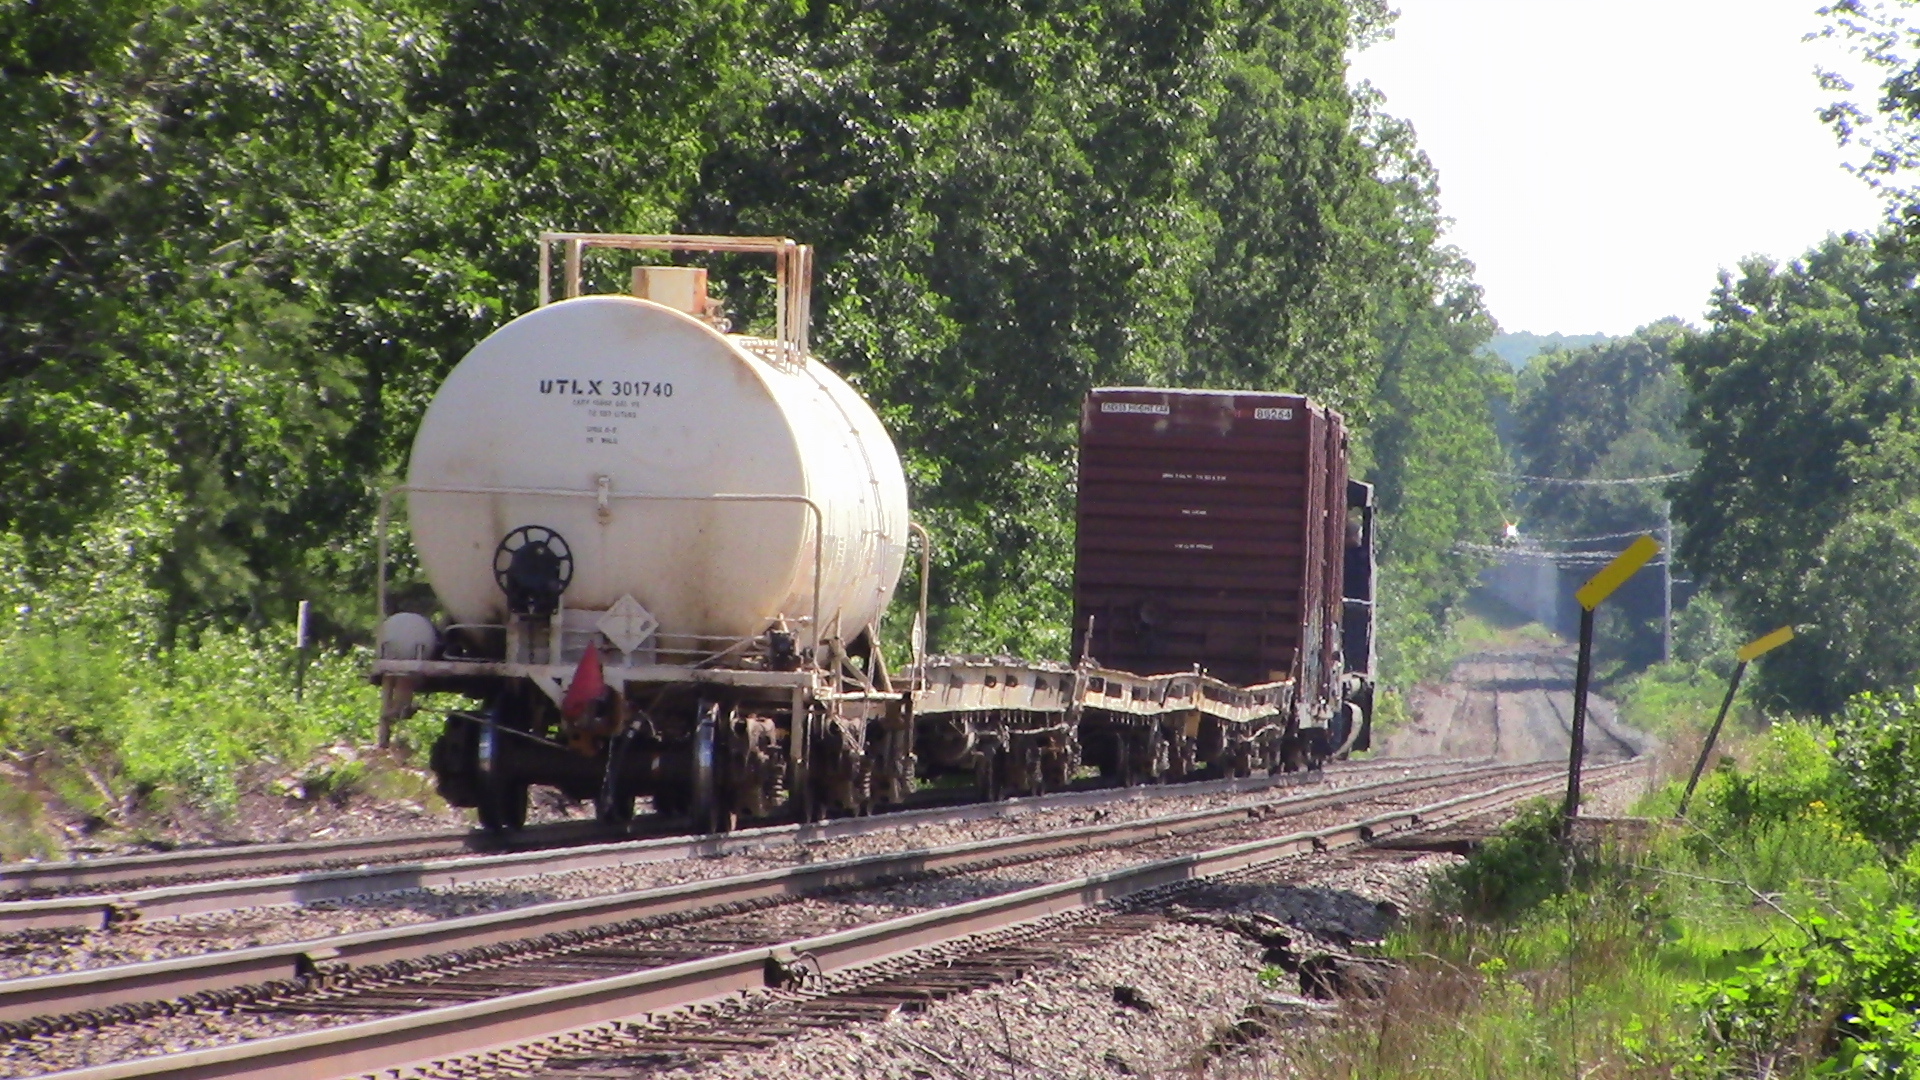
(500, 1009)
(539, 851)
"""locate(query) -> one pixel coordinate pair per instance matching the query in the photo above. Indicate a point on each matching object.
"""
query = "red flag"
(588, 684)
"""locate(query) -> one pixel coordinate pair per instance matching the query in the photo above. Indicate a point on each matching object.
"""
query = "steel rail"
(96, 910)
(416, 1039)
(179, 977)
(259, 858)
(239, 859)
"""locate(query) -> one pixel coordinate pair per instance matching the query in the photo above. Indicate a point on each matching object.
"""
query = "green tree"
(242, 240)
(1806, 399)
(1431, 448)
(1607, 411)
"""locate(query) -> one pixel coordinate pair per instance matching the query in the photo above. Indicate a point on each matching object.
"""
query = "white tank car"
(615, 421)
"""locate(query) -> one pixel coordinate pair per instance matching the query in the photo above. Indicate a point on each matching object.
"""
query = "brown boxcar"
(1213, 529)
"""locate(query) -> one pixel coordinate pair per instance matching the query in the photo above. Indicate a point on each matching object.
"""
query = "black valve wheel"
(533, 565)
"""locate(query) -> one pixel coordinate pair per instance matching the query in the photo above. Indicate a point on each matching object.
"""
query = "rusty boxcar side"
(1212, 531)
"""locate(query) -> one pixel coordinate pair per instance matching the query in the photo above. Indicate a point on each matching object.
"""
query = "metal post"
(1666, 582)
(1713, 733)
(1581, 676)
(301, 640)
(573, 251)
(706, 803)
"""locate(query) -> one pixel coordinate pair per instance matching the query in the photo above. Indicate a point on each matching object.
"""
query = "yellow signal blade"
(1763, 645)
(1615, 574)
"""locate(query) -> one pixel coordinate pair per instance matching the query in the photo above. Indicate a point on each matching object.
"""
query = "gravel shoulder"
(1083, 1016)
(1161, 1003)
(43, 953)
(1332, 915)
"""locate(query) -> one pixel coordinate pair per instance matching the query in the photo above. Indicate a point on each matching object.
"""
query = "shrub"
(109, 726)
(1848, 995)
(1512, 873)
(1791, 769)
(1877, 756)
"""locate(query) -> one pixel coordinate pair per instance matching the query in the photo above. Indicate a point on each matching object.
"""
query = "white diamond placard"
(628, 625)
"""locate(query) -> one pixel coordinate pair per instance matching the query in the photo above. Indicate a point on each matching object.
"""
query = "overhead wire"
(1543, 555)
(1593, 539)
(1599, 482)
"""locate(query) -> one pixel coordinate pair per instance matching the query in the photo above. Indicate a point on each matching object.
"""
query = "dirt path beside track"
(1511, 704)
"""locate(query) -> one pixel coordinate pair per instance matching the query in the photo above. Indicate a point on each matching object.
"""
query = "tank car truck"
(660, 551)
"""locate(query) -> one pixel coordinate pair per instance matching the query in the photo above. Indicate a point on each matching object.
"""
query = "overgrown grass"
(1679, 699)
(116, 731)
(1476, 632)
(1765, 935)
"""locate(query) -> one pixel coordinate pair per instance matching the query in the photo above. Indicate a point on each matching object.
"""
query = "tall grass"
(117, 733)
(101, 721)
(1606, 961)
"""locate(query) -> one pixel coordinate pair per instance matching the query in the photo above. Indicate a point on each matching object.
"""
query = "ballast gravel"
(40, 953)
(798, 919)
(1183, 983)
(1159, 1004)
(1066, 1020)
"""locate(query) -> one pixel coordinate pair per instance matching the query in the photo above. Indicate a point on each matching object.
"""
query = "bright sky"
(1603, 159)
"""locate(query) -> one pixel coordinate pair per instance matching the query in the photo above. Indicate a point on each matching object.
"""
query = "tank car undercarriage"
(600, 707)
(714, 747)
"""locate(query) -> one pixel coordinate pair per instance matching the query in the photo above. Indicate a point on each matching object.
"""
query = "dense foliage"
(1826, 825)
(1765, 934)
(1805, 398)
(1608, 411)
(240, 240)
(1516, 347)
(1584, 424)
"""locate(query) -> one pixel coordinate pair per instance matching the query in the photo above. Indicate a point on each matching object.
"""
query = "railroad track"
(611, 964)
(187, 866)
(207, 880)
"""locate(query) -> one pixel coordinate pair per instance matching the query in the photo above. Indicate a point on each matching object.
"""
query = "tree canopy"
(1609, 411)
(1806, 411)
(242, 240)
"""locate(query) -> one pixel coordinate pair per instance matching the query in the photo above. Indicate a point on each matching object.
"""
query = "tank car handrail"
(918, 636)
(819, 524)
(792, 271)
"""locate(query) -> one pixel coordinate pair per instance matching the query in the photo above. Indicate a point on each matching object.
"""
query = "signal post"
(1597, 589)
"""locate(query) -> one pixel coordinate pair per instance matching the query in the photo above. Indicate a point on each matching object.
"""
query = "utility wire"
(1546, 556)
(1594, 539)
(1606, 482)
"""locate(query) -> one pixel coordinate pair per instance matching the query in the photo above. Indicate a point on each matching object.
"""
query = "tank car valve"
(782, 655)
(533, 565)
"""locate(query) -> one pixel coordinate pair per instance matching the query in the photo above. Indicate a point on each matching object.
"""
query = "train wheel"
(1293, 753)
(707, 762)
(452, 761)
(1318, 749)
(1240, 763)
(614, 804)
(499, 794)
(988, 776)
(503, 807)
